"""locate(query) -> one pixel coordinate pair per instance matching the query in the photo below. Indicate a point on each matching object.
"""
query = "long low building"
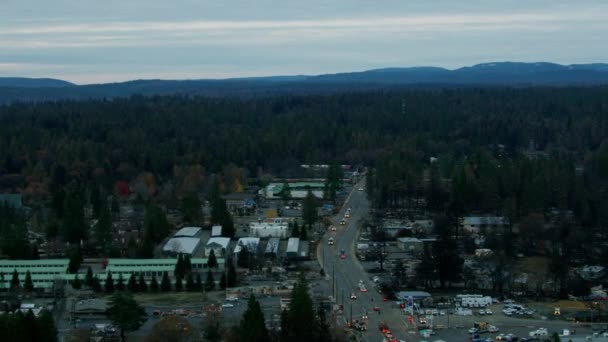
(268, 229)
(184, 245)
(47, 272)
(219, 246)
(293, 247)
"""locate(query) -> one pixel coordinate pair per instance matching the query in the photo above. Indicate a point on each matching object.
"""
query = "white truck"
(539, 332)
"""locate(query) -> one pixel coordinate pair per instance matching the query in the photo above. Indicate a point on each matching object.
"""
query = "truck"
(481, 327)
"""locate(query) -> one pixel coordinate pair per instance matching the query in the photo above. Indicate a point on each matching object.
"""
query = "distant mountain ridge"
(485, 74)
(24, 82)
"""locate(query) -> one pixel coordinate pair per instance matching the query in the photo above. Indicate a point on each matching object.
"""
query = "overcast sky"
(97, 41)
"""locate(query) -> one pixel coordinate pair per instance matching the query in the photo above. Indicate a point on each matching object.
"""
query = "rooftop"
(222, 241)
(186, 245)
(188, 232)
(248, 242)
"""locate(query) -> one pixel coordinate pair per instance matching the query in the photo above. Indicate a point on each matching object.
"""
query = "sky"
(100, 41)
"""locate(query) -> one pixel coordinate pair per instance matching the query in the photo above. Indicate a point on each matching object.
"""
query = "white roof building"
(216, 230)
(185, 245)
(250, 243)
(293, 246)
(267, 229)
(188, 232)
(218, 245)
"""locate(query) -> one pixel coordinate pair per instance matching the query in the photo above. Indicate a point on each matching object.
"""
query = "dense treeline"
(126, 136)
(26, 327)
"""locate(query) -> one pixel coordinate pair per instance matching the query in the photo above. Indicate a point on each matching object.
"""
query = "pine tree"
(88, 280)
(231, 279)
(209, 282)
(141, 285)
(154, 284)
(322, 333)
(309, 209)
(223, 281)
(96, 201)
(165, 283)
(211, 260)
(15, 284)
(301, 316)
(96, 284)
(132, 283)
(109, 285)
(187, 264)
(28, 285)
(178, 284)
(75, 260)
(125, 313)
(303, 233)
(295, 231)
(120, 285)
(190, 286)
(76, 283)
(253, 326)
(103, 228)
(179, 266)
(198, 284)
(45, 327)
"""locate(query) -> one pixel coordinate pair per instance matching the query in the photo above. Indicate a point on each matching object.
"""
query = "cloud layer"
(77, 44)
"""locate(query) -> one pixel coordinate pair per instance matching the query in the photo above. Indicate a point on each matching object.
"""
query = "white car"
(361, 189)
(539, 332)
(489, 312)
(482, 312)
(473, 330)
(353, 296)
(493, 329)
(332, 228)
(227, 305)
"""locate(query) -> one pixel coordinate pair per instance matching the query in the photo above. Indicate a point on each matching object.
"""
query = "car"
(347, 215)
(539, 332)
(489, 312)
(376, 308)
(441, 312)
(361, 189)
(342, 222)
(493, 329)
(232, 299)
(376, 279)
(473, 331)
(435, 312)
(482, 312)
(227, 305)
(353, 296)
(364, 316)
(385, 299)
(362, 289)
(342, 256)
(332, 228)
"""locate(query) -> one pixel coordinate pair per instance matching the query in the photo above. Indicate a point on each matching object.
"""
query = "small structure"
(479, 224)
(391, 228)
(415, 295)
(411, 245)
(298, 190)
(188, 232)
(216, 231)
(12, 200)
(269, 229)
(184, 245)
(293, 247)
(272, 248)
(218, 245)
(251, 243)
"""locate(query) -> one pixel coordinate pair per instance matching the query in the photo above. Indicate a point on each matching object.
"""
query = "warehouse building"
(183, 245)
(218, 245)
(189, 232)
(293, 247)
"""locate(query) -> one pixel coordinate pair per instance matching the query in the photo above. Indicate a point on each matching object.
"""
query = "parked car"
(353, 296)
(492, 329)
(489, 312)
(227, 305)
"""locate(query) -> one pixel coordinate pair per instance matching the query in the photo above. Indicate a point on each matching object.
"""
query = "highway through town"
(347, 273)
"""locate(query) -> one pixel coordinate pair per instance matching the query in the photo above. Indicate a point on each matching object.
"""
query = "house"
(12, 200)
(410, 245)
(218, 245)
(239, 201)
(184, 245)
(216, 231)
(480, 224)
(251, 243)
(293, 247)
(189, 232)
(298, 190)
(272, 248)
(391, 228)
(268, 229)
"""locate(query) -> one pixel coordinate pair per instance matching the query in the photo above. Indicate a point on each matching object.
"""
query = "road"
(346, 273)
